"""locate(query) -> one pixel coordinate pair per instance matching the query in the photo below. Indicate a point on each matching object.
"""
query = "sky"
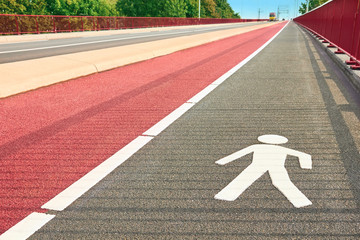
(250, 8)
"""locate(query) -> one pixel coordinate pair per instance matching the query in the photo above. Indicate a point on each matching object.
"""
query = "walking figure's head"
(273, 139)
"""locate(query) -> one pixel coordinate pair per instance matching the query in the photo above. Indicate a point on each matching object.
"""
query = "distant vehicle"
(272, 16)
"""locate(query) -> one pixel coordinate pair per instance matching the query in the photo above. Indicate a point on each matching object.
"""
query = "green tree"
(35, 7)
(58, 7)
(211, 9)
(139, 8)
(174, 8)
(11, 7)
(224, 9)
(312, 4)
(192, 7)
(126, 8)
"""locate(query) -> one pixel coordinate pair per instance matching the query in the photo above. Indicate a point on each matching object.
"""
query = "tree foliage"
(58, 7)
(131, 8)
(312, 4)
(175, 8)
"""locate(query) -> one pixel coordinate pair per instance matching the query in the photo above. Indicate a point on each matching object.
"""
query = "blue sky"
(250, 8)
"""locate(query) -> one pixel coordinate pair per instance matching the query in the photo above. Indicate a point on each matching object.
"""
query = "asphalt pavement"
(166, 190)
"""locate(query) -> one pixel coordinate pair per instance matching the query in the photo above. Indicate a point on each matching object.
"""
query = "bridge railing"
(337, 22)
(22, 24)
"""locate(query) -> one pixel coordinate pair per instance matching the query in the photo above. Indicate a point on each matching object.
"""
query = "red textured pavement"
(53, 136)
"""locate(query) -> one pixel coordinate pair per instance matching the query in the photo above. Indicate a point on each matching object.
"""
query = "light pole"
(307, 5)
(199, 8)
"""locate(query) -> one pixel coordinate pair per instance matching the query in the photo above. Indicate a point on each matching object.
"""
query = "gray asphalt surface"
(167, 189)
(32, 50)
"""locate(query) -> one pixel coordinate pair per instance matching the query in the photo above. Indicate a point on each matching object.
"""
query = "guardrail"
(337, 22)
(22, 24)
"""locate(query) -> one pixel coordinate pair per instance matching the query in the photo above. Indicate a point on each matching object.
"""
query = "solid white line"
(73, 192)
(27, 227)
(198, 97)
(168, 120)
(103, 41)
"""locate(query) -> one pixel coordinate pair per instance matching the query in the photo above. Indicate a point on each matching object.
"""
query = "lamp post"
(199, 8)
(307, 5)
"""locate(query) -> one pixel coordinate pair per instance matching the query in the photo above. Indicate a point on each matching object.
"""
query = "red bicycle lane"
(53, 136)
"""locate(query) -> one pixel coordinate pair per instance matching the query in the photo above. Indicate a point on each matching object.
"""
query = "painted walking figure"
(267, 157)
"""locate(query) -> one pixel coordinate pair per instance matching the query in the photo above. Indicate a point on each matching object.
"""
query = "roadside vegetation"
(312, 4)
(130, 8)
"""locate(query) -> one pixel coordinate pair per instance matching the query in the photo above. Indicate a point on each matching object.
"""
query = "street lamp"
(307, 5)
(199, 8)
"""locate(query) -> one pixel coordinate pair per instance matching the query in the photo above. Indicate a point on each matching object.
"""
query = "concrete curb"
(50, 70)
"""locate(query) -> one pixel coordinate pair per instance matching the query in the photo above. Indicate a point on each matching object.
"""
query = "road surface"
(165, 189)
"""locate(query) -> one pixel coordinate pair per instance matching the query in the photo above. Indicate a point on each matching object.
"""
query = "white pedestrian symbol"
(266, 157)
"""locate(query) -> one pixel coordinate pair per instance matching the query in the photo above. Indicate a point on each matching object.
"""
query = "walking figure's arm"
(304, 159)
(235, 156)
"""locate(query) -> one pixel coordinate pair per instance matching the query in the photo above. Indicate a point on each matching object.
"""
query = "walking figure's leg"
(235, 188)
(280, 179)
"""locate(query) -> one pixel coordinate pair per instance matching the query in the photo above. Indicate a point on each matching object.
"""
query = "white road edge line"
(74, 191)
(27, 227)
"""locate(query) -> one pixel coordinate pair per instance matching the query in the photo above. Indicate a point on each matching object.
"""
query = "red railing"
(22, 24)
(337, 22)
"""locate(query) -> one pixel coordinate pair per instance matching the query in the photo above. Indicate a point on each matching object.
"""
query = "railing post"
(37, 25)
(82, 24)
(17, 24)
(54, 30)
(69, 24)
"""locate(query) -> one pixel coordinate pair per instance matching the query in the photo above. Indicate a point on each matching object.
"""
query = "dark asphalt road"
(33, 50)
(166, 190)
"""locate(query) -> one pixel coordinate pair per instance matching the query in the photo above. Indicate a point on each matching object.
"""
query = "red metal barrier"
(338, 22)
(22, 24)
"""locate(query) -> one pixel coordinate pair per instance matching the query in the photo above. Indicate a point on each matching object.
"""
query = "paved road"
(55, 135)
(32, 50)
(166, 190)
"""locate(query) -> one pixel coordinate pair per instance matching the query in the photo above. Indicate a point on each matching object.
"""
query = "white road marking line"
(103, 41)
(73, 192)
(198, 97)
(168, 120)
(27, 227)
